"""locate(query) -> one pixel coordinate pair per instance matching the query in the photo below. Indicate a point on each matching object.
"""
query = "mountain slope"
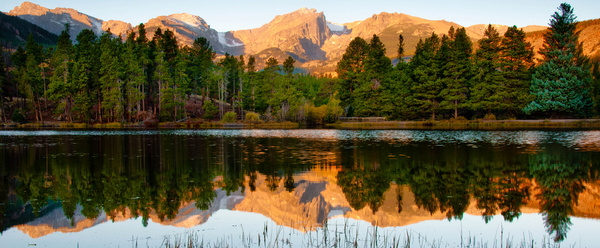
(54, 20)
(189, 27)
(14, 32)
(301, 32)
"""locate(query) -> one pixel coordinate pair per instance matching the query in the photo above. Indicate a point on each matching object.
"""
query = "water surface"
(124, 187)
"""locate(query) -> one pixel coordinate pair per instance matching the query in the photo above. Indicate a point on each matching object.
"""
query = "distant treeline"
(117, 79)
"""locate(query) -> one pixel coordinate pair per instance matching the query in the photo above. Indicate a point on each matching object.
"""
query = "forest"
(134, 79)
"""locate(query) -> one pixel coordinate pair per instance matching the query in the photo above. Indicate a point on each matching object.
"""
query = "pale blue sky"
(225, 15)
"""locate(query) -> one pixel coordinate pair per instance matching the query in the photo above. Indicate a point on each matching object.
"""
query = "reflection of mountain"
(316, 197)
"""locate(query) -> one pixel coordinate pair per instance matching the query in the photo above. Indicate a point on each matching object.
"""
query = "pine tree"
(561, 84)
(426, 85)
(111, 83)
(516, 63)
(349, 69)
(61, 88)
(596, 85)
(455, 65)
(288, 66)
(134, 78)
(85, 75)
(201, 61)
(488, 81)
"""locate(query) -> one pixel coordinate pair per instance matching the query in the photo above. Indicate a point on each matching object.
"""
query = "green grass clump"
(73, 125)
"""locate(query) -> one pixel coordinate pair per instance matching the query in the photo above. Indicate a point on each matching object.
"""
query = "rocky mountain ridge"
(306, 34)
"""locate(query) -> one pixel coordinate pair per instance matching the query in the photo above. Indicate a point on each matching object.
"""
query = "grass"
(343, 235)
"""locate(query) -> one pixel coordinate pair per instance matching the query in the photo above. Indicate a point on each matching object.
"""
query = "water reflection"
(298, 177)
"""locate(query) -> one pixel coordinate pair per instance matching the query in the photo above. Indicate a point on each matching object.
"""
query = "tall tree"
(61, 88)
(426, 85)
(349, 69)
(561, 84)
(455, 69)
(85, 75)
(516, 63)
(288, 66)
(488, 81)
(111, 83)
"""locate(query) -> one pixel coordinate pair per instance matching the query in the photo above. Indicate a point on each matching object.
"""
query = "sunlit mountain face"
(301, 181)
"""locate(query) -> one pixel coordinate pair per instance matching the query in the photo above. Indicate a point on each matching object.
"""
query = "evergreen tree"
(61, 88)
(133, 69)
(516, 60)
(288, 66)
(454, 57)
(561, 84)
(111, 83)
(400, 48)
(596, 85)
(85, 75)
(201, 62)
(349, 69)
(367, 98)
(426, 85)
(488, 81)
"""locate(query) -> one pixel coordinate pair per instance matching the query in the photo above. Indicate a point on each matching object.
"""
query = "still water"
(293, 188)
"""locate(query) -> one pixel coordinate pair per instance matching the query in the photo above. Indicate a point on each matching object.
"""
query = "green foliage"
(252, 117)
(426, 85)
(229, 117)
(18, 116)
(488, 81)
(210, 110)
(562, 83)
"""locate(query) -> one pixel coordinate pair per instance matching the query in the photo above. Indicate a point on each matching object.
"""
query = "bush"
(210, 110)
(230, 117)
(489, 117)
(18, 116)
(252, 117)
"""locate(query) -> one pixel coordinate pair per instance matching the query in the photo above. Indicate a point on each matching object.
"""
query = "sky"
(227, 15)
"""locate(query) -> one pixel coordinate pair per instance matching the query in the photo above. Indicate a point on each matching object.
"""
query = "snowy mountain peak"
(192, 20)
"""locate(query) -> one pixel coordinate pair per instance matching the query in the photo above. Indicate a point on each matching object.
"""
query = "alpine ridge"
(306, 35)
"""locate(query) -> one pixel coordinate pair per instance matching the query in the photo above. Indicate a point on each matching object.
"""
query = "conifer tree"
(488, 82)
(61, 88)
(85, 75)
(288, 66)
(455, 69)
(516, 63)
(426, 85)
(349, 69)
(111, 83)
(561, 84)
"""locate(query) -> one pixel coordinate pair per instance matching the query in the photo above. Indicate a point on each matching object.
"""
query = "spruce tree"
(426, 85)
(288, 66)
(516, 63)
(561, 84)
(349, 70)
(61, 88)
(488, 82)
(455, 64)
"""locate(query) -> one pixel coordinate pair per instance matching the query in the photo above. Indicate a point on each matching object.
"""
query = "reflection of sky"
(231, 227)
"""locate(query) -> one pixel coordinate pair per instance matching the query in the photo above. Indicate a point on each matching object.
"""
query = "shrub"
(210, 110)
(252, 117)
(230, 117)
(489, 117)
(18, 116)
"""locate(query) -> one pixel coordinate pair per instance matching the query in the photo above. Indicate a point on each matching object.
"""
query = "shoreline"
(398, 125)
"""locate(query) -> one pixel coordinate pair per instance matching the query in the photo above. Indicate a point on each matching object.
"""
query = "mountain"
(306, 35)
(14, 32)
(54, 20)
(480, 28)
(189, 27)
(302, 32)
(589, 36)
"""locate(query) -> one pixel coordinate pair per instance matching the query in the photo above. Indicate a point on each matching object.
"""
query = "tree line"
(111, 79)
(448, 78)
(131, 79)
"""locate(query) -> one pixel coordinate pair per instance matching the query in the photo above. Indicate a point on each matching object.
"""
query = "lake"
(299, 188)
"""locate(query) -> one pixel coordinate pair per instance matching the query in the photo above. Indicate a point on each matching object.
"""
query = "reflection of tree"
(363, 187)
(560, 177)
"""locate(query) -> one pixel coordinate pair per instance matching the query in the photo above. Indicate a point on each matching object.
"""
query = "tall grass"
(343, 236)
